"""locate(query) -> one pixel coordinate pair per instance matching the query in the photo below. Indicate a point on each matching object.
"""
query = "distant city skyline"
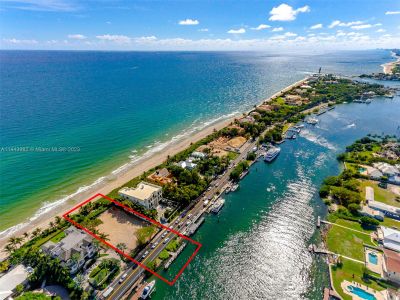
(199, 25)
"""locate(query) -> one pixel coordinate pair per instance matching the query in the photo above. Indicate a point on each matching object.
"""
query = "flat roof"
(11, 279)
(143, 191)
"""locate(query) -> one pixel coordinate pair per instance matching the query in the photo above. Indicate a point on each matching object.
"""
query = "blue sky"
(199, 25)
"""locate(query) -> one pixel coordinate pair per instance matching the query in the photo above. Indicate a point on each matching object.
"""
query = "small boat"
(312, 121)
(299, 126)
(148, 290)
(217, 206)
(227, 190)
(234, 187)
(272, 153)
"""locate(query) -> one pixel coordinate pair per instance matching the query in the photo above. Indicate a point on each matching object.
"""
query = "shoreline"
(105, 185)
(388, 67)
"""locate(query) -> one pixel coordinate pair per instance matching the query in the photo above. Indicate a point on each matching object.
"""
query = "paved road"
(196, 208)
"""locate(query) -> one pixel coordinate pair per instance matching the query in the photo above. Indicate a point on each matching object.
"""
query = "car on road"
(209, 188)
(164, 234)
(190, 215)
(123, 277)
(145, 254)
(166, 241)
(188, 223)
(177, 221)
(154, 245)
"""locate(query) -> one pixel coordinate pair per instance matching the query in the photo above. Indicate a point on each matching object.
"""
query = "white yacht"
(272, 153)
(148, 290)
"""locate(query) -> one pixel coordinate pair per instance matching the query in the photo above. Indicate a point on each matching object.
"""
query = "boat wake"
(319, 140)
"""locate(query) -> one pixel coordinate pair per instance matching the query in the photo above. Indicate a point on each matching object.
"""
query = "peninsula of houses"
(64, 260)
(362, 231)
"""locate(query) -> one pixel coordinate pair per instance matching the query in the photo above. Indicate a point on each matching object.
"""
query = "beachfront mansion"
(145, 194)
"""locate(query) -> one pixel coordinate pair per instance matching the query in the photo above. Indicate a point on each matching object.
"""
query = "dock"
(194, 226)
(319, 222)
(314, 249)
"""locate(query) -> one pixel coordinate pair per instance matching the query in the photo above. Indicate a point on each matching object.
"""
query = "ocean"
(70, 120)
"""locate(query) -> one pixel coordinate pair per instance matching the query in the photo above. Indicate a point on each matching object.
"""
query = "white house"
(9, 281)
(390, 238)
(145, 194)
(386, 169)
(388, 210)
(73, 250)
(187, 164)
(198, 155)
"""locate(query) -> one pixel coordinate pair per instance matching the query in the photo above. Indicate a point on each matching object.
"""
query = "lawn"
(347, 242)
(346, 272)
(381, 195)
(388, 222)
(353, 225)
(58, 237)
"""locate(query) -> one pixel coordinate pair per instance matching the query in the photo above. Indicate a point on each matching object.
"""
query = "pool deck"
(382, 295)
(378, 268)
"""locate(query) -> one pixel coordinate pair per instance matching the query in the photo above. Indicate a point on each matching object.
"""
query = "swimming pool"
(373, 258)
(361, 293)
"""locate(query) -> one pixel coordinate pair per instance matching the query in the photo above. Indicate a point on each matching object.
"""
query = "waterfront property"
(390, 238)
(73, 250)
(9, 281)
(187, 164)
(374, 260)
(145, 194)
(121, 227)
(161, 176)
(391, 266)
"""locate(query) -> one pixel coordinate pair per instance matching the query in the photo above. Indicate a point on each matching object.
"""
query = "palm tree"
(36, 232)
(13, 241)
(122, 246)
(25, 235)
(51, 224)
(58, 220)
(9, 248)
(104, 236)
(19, 240)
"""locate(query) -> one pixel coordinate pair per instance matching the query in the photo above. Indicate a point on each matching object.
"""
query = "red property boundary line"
(66, 217)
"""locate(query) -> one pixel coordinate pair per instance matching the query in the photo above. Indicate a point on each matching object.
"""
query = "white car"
(145, 254)
(164, 234)
(154, 245)
(190, 215)
(166, 241)
(122, 278)
(188, 223)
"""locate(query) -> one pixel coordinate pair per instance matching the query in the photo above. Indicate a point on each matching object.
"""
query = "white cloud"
(237, 31)
(203, 30)
(20, 42)
(77, 37)
(146, 38)
(285, 12)
(41, 5)
(393, 12)
(381, 30)
(316, 26)
(108, 22)
(365, 26)
(277, 29)
(283, 36)
(343, 24)
(189, 22)
(261, 27)
(123, 39)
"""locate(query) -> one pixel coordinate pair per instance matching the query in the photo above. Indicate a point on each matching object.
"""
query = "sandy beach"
(137, 169)
(388, 67)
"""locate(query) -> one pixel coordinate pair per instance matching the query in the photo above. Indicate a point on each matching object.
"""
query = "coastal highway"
(134, 271)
